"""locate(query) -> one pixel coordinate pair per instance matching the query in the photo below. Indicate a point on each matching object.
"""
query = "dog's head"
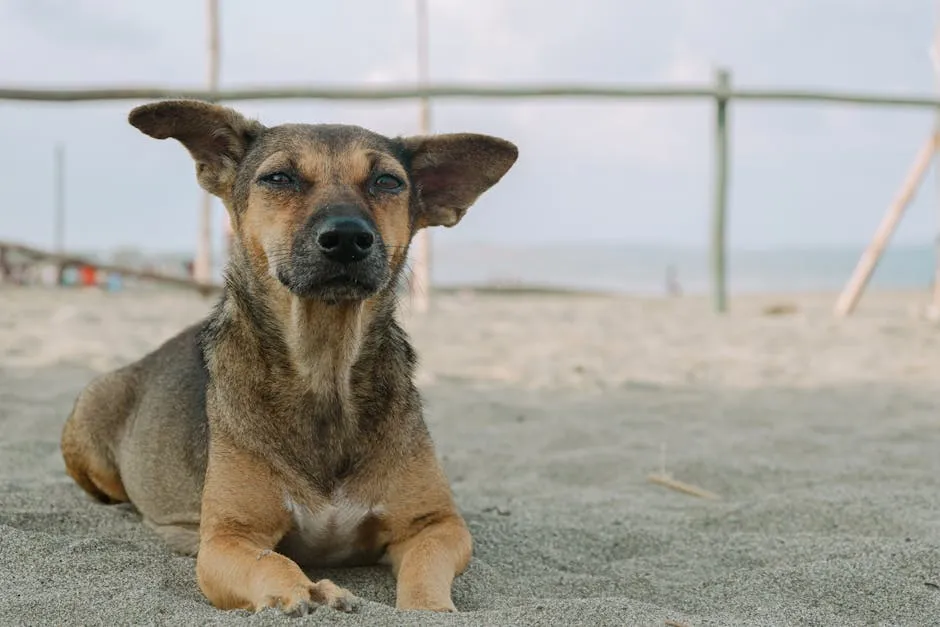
(328, 210)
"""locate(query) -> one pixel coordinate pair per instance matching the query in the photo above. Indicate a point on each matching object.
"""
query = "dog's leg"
(91, 432)
(237, 572)
(243, 519)
(430, 543)
(425, 564)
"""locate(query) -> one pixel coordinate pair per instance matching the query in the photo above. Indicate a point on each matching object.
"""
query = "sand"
(821, 437)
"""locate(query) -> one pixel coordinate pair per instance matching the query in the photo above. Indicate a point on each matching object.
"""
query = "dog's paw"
(335, 597)
(307, 598)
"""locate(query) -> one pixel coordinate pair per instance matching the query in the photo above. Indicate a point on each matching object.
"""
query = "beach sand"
(822, 439)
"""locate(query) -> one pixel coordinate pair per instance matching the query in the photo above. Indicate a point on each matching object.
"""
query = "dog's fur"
(285, 430)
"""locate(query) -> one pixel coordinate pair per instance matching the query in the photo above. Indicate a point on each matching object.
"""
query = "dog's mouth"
(333, 285)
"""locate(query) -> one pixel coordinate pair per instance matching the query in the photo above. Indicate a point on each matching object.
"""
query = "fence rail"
(720, 92)
(464, 91)
(62, 260)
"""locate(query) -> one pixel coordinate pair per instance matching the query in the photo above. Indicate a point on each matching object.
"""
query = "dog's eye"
(386, 182)
(277, 178)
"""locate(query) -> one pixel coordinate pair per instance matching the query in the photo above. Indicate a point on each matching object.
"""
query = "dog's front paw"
(304, 599)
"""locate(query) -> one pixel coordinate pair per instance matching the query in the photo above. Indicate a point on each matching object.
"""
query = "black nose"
(345, 240)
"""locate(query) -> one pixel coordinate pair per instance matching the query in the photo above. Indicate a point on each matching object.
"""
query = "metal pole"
(720, 206)
(421, 277)
(202, 265)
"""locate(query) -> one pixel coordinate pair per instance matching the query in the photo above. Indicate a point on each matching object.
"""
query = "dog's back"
(140, 434)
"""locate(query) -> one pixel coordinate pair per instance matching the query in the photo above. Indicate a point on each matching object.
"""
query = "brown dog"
(285, 429)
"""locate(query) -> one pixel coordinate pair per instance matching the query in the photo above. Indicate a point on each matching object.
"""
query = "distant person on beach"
(672, 281)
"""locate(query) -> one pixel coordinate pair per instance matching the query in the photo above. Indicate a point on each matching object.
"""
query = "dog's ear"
(451, 171)
(217, 137)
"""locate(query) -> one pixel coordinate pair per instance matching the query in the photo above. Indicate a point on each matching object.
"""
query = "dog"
(285, 429)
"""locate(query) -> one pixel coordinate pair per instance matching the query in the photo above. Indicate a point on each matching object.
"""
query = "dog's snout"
(345, 239)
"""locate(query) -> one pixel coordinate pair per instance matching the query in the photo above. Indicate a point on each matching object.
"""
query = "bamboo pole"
(852, 292)
(421, 271)
(464, 91)
(202, 264)
(720, 206)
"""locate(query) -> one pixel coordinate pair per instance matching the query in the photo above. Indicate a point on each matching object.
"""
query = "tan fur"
(285, 430)
(243, 519)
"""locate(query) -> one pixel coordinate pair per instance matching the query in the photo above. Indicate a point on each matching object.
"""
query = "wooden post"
(59, 223)
(850, 295)
(58, 235)
(720, 206)
(421, 270)
(202, 264)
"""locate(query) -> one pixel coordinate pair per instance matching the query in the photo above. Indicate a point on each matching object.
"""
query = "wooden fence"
(721, 93)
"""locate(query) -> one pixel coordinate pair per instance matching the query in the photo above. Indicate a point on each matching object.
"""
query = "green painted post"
(720, 207)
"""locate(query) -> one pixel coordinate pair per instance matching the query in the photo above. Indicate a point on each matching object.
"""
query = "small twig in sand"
(679, 486)
(665, 479)
(675, 623)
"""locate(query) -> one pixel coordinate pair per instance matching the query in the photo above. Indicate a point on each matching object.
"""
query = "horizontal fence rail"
(441, 91)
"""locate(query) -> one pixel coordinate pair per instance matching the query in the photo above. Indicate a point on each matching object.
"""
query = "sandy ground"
(822, 438)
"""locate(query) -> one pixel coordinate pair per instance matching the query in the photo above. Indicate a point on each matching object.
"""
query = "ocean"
(643, 270)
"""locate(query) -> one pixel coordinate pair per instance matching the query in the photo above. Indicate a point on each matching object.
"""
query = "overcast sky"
(628, 171)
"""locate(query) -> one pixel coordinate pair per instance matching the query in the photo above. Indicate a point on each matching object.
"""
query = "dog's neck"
(313, 343)
(289, 375)
(324, 341)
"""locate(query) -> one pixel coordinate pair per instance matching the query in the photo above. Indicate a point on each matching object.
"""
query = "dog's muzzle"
(338, 256)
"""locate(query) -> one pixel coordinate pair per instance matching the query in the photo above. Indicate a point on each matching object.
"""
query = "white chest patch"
(327, 535)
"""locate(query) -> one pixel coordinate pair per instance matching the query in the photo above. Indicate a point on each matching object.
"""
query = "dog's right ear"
(217, 137)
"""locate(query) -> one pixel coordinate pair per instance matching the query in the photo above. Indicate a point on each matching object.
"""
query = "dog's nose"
(345, 240)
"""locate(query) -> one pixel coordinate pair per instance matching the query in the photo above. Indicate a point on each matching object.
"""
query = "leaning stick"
(852, 292)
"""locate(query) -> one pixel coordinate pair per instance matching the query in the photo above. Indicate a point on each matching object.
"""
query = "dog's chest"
(341, 531)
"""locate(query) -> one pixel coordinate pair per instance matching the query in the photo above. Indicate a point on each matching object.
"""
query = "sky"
(628, 171)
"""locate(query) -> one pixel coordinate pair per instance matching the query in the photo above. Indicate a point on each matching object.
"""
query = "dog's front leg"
(243, 519)
(237, 573)
(426, 563)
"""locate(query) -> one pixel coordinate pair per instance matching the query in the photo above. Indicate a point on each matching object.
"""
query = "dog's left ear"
(451, 171)
(217, 137)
